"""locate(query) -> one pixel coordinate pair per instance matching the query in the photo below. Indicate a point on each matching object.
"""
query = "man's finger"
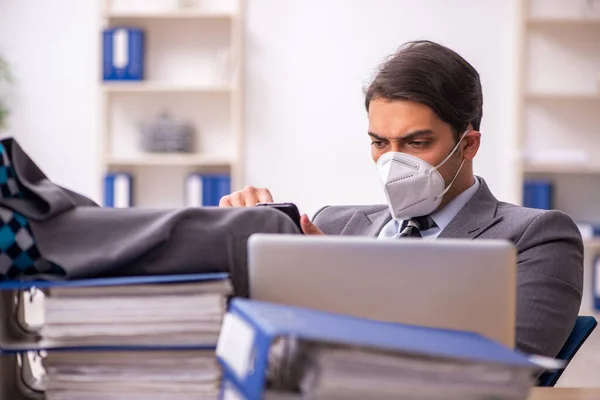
(237, 199)
(249, 195)
(308, 227)
(264, 196)
(225, 201)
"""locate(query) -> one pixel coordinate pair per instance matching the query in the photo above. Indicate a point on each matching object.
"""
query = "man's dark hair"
(433, 75)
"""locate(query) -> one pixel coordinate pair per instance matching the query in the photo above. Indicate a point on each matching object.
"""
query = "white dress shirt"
(441, 217)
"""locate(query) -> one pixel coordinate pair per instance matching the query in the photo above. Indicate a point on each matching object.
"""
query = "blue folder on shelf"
(206, 190)
(123, 54)
(251, 327)
(118, 190)
(537, 193)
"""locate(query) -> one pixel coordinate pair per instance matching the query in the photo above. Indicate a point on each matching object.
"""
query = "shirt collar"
(443, 216)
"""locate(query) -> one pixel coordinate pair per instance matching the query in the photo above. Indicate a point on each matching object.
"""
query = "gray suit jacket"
(549, 258)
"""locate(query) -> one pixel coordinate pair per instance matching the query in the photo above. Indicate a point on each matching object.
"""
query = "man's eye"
(418, 144)
(377, 144)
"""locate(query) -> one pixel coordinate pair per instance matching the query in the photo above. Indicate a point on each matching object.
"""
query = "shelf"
(173, 160)
(157, 87)
(563, 96)
(561, 168)
(165, 15)
(592, 243)
(562, 21)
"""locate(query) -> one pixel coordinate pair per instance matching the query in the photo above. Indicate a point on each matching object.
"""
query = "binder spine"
(193, 190)
(118, 190)
(242, 351)
(109, 190)
(123, 54)
(538, 194)
(214, 187)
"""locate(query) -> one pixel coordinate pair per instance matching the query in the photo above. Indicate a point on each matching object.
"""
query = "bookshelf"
(558, 132)
(192, 60)
(158, 87)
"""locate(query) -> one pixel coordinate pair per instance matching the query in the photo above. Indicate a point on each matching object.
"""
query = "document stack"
(279, 352)
(151, 337)
(122, 375)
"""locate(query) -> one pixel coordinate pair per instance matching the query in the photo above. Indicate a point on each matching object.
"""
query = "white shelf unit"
(164, 87)
(559, 110)
(176, 14)
(193, 58)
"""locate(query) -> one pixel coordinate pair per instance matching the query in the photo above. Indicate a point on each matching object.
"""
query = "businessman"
(424, 109)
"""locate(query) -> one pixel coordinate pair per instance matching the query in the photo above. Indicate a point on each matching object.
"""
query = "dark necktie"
(414, 226)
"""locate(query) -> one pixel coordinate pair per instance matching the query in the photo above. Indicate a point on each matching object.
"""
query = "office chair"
(581, 331)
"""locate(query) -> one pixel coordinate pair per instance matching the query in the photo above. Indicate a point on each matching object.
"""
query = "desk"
(564, 394)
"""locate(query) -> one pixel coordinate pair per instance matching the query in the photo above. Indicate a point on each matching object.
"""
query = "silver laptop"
(447, 283)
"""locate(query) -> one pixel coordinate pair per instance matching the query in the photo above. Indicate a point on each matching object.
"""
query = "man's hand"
(251, 196)
(248, 197)
(308, 227)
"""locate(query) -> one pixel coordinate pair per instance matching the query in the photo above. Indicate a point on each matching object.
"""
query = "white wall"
(307, 61)
(53, 49)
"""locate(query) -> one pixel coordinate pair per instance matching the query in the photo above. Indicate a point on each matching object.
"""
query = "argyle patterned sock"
(19, 254)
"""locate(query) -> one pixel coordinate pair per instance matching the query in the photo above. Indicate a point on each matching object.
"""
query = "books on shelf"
(204, 190)
(118, 190)
(151, 337)
(275, 351)
(123, 54)
(537, 193)
(201, 190)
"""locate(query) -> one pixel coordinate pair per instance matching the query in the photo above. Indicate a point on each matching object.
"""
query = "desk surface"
(564, 394)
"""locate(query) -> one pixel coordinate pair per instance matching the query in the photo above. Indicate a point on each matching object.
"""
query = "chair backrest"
(581, 331)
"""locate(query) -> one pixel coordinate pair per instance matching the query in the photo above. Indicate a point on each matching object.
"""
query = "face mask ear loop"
(452, 152)
(453, 179)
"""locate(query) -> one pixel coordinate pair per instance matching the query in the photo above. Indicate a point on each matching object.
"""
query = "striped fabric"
(414, 226)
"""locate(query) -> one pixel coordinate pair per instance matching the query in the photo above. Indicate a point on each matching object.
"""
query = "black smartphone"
(289, 209)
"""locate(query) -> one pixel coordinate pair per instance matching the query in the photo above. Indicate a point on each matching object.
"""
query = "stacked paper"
(184, 313)
(151, 337)
(125, 375)
(338, 373)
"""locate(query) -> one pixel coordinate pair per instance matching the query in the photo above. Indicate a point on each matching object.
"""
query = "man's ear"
(471, 144)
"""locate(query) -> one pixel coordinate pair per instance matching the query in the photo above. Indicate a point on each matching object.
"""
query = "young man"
(425, 109)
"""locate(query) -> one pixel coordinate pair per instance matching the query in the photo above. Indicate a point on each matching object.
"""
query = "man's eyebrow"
(375, 136)
(408, 136)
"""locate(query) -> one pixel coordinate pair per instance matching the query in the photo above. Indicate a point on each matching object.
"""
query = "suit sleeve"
(331, 220)
(550, 281)
(317, 215)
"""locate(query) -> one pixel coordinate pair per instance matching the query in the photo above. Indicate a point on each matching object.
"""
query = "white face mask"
(413, 187)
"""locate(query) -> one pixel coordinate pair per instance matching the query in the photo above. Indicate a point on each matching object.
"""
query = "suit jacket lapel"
(478, 215)
(367, 224)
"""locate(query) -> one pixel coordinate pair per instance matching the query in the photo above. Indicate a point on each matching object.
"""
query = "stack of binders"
(206, 190)
(150, 337)
(274, 351)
